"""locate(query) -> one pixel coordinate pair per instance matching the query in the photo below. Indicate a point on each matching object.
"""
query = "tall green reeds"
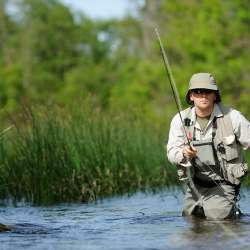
(80, 156)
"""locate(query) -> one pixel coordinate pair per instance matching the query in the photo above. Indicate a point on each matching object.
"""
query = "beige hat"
(202, 81)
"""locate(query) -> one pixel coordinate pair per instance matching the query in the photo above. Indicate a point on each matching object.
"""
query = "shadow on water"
(5, 228)
(155, 220)
(27, 228)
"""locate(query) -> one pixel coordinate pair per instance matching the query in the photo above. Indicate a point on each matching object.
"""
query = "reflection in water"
(225, 234)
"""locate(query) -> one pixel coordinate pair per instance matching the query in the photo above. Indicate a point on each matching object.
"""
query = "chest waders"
(221, 152)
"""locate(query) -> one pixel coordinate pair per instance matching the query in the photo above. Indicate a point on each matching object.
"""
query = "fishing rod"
(172, 84)
(178, 105)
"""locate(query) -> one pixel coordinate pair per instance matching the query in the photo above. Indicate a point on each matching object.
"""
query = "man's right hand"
(189, 152)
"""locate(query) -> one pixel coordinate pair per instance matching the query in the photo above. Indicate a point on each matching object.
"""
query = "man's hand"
(189, 152)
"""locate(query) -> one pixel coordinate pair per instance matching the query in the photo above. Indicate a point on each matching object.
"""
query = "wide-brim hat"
(202, 81)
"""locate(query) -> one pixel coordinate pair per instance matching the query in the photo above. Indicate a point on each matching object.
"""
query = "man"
(205, 143)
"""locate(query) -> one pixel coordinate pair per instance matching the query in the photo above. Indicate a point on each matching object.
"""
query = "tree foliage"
(48, 54)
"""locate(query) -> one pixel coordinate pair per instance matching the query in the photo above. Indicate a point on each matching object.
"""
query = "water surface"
(141, 221)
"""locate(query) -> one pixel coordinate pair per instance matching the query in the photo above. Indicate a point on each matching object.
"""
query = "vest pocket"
(205, 153)
(235, 172)
(231, 149)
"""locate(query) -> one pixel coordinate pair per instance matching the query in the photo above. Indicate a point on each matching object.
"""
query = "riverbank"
(59, 156)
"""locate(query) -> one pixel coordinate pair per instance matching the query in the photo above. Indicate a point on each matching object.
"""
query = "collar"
(217, 112)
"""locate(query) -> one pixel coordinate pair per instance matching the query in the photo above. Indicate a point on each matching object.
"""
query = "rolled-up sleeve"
(176, 141)
(241, 127)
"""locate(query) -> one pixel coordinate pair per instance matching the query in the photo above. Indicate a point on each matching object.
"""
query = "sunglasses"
(202, 91)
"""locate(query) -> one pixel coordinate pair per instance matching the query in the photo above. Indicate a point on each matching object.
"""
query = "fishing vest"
(222, 149)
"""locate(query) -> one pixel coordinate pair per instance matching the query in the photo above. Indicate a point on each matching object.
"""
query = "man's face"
(203, 98)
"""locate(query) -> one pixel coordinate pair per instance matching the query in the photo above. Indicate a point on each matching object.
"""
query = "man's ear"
(191, 97)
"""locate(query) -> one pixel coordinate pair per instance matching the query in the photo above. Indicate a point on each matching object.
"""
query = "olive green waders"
(218, 202)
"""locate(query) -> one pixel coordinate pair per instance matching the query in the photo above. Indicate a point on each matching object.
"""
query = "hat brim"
(204, 86)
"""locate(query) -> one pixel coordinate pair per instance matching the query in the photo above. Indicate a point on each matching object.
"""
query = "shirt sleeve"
(241, 127)
(176, 142)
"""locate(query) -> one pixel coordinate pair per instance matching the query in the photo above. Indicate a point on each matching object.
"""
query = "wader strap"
(214, 128)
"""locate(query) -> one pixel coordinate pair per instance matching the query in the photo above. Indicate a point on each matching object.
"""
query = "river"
(140, 221)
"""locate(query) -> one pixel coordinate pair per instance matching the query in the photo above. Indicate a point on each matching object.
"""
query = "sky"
(101, 9)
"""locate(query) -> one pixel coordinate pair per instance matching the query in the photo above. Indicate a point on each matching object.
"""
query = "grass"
(81, 156)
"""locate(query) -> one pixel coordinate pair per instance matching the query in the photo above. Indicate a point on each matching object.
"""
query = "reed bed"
(81, 156)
